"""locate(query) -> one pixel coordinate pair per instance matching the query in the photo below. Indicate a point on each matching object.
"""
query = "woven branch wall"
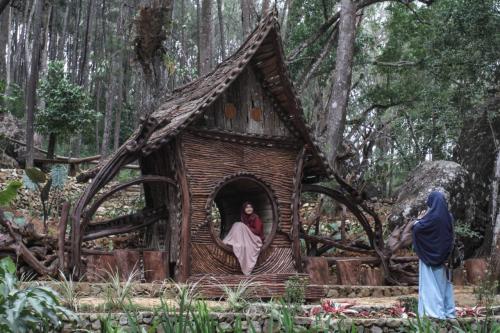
(208, 162)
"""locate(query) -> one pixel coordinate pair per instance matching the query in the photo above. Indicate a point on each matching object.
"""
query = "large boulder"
(475, 151)
(446, 176)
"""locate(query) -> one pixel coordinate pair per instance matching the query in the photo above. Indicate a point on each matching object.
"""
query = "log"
(476, 269)
(63, 222)
(371, 276)
(127, 262)
(348, 272)
(98, 265)
(156, 265)
(459, 277)
(318, 270)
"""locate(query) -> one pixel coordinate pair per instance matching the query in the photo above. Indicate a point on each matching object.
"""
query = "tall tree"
(206, 37)
(3, 5)
(247, 7)
(222, 38)
(33, 80)
(337, 106)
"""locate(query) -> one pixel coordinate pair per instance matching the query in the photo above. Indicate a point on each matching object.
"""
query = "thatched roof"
(264, 49)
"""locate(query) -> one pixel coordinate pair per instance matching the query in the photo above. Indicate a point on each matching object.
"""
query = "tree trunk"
(220, 5)
(337, 106)
(206, 36)
(246, 17)
(76, 44)
(82, 73)
(3, 5)
(63, 36)
(284, 21)
(52, 146)
(33, 81)
(265, 6)
(198, 34)
(495, 211)
(4, 40)
(10, 46)
(119, 100)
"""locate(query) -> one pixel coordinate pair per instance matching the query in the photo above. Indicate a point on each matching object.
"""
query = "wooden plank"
(185, 262)
(296, 209)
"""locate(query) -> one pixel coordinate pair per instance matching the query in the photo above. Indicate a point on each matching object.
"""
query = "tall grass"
(119, 293)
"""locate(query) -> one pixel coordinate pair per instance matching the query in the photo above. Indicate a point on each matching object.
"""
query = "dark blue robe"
(433, 234)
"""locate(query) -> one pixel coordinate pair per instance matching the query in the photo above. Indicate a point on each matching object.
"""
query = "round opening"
(225, 205)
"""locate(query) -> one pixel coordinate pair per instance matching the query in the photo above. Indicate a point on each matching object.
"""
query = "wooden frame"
(271, 196)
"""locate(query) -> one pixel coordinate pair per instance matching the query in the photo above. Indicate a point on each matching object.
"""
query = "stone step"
(169, 289)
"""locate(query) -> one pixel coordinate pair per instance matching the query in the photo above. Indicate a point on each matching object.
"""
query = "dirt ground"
(464, 297)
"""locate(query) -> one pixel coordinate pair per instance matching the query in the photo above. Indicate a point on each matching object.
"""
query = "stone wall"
(263, 323)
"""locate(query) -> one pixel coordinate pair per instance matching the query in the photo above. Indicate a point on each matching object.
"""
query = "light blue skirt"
(435, 292)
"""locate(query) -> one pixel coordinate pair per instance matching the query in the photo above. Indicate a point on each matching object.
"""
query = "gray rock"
(446, 176)
(123, 320)
(225, 327)
(333, 293)
(271, 326)
(254, 326)
(376, 329)
(96, 325)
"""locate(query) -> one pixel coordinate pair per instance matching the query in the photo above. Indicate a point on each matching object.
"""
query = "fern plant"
(32, 309)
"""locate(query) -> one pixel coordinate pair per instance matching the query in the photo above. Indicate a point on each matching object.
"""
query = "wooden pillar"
(297, 188)
(184, 270)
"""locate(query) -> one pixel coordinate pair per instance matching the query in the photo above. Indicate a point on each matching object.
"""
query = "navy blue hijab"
(433, 234)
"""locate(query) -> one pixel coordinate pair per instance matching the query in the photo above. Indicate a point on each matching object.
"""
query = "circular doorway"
(225, 203)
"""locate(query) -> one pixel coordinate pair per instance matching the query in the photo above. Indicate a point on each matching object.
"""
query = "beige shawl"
(246, 246)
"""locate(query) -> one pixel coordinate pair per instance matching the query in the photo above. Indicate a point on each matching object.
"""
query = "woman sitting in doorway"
(246, 238)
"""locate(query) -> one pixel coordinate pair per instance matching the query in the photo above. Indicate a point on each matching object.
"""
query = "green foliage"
(19, 220)
(33, 309)
(295, 290)
(59, 175)
(36, 175)
(410, 303)
(118, 294)
(66, 105)
(238, 297)
(10, 192)
(11, 101)
(49, 186)
(463, 230)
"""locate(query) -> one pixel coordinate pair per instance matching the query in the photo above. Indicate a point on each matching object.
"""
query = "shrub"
(32, 309)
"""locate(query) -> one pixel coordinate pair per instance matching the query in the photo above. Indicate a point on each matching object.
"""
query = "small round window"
(225, 206)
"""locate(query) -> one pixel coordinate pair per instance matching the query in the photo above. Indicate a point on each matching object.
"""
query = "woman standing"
(433, 242)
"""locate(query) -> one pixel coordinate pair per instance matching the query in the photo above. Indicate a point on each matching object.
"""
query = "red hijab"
(252, 220)
(248, 219)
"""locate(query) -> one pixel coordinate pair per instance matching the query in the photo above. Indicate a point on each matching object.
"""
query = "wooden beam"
(124, 224)
(297, 188)
(63, 223)
(185, 242)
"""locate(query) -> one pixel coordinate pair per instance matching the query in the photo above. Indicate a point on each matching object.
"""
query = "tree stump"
(98, 265)
(317, 268)
(348, 271)
(476, 270)
(127, 261)
(155, 265)
(371, 276)
(459, 276)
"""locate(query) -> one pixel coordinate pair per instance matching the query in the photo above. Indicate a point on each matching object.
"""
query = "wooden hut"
(237, 133)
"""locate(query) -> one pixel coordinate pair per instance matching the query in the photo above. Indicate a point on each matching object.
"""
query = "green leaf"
(36, 175)
(29, 184)
(59, 175)
(7, 265)
(10, 192)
